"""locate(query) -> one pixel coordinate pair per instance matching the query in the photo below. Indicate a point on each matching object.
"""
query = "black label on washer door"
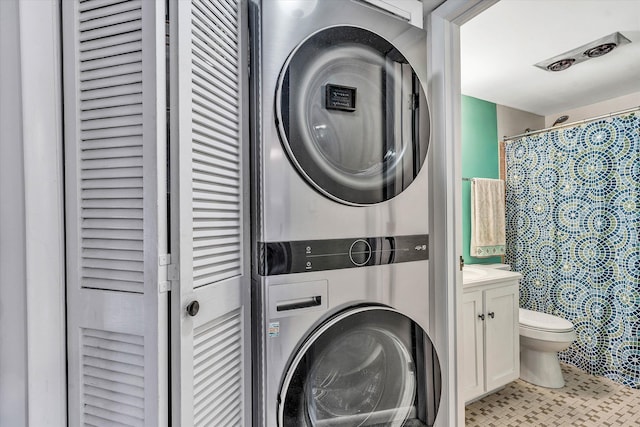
(340, 98)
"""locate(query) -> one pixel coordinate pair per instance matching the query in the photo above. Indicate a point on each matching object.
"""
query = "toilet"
(542, 336)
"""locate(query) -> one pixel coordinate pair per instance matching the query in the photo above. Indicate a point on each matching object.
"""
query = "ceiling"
(500, 46)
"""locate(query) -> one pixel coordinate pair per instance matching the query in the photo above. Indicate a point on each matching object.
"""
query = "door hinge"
(461, 263)
(172, 277)
(164, 261)
(173, 273)
(164, 286)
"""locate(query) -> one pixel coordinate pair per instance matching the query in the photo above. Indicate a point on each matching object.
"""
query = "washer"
(347, 348)
(341, 291)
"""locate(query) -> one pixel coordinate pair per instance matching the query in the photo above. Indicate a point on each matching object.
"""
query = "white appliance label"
(274, 329)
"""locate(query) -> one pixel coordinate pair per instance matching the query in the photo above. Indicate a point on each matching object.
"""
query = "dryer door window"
(366, 367)
(352, 115)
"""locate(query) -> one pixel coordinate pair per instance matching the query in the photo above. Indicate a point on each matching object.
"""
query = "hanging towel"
(487, 217)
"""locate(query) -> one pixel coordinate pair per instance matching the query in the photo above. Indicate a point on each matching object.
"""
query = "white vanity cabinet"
(490, 345)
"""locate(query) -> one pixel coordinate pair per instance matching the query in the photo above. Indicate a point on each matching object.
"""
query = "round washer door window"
(352, 115)
(365, 367)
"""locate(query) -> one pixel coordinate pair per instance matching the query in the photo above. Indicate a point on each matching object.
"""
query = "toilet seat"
(535, 320)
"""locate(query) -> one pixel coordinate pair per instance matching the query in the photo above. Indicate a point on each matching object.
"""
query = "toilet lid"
(543, 321)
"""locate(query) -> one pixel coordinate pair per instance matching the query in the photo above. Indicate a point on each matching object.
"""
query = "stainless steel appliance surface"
(340, 121)
(341, 291)
(348, 348)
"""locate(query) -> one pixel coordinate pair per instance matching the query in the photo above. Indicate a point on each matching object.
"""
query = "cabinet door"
(501, 336)
(210, 360)
(472, 346)
(116, 231)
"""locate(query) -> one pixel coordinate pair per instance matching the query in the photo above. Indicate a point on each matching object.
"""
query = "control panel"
(332, 254)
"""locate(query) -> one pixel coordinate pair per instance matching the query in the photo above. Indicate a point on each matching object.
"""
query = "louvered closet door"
(115, 165)
(210, 232)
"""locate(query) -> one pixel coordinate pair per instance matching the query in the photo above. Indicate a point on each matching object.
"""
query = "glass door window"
(368, 367)
(352, 115)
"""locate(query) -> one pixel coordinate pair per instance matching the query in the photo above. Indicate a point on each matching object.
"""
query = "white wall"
(605, 107)
(32, 323)
(513, 122)
(13, 345)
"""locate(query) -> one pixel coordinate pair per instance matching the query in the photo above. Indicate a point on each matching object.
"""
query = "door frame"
(33, 366)
(445, 188)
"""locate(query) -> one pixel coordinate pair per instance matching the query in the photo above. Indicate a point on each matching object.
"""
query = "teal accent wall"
(479, 160)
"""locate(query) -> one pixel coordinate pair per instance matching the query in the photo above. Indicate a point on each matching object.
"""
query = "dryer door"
(368, 366)
(352, 115)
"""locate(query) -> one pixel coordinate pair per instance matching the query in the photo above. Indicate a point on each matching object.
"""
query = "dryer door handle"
(295, 304)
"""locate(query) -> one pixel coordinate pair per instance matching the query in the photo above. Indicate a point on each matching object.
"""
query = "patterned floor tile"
(585, 401)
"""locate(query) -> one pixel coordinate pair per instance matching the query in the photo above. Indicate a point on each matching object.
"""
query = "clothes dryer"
(340, 121)
(341, 295)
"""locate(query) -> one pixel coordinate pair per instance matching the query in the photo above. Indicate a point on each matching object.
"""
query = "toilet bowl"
(542, 336)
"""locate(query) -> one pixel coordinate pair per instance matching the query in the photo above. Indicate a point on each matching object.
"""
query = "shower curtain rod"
(579, 122)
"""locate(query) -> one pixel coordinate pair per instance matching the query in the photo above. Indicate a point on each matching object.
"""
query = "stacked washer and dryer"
(341, 292)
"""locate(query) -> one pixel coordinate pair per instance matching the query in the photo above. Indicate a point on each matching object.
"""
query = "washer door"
(369, 366)
(352, 115)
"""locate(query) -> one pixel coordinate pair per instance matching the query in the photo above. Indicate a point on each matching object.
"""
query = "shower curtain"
(573, 219)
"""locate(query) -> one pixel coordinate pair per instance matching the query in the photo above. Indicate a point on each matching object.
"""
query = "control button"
(360, 252)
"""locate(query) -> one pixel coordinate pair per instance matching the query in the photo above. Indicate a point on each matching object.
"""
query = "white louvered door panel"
(210, 213)
(115, 167)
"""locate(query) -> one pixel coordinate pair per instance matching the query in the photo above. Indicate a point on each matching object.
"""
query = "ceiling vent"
(590, 50)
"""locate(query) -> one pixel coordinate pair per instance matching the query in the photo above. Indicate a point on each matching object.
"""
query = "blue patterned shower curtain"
(573, 222)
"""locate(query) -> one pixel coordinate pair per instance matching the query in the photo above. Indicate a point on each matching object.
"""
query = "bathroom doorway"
(512, 84)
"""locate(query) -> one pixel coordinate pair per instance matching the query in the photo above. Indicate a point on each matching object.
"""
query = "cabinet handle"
(492, 314)
(481, 317)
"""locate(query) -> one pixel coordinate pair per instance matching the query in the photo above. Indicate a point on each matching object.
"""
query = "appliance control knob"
(360, 252)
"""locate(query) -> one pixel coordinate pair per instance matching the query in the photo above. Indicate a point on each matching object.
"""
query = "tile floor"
(585, 400)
